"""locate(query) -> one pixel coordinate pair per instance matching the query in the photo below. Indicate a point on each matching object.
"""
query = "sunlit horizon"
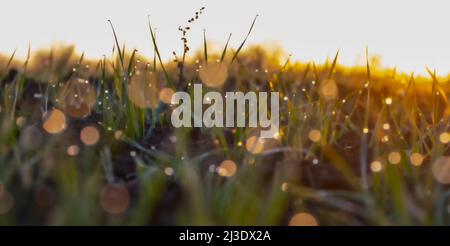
(405, 34)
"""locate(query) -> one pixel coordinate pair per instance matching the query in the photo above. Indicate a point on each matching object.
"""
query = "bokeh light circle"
(227, 168)
(114, 198)
(54, 121)
(303, 219)
(143, 90)
(214, 74)
(89, 135)
(77, 98)
(441, 169)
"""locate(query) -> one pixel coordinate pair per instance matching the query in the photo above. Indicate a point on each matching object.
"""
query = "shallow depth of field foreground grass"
(91, 142)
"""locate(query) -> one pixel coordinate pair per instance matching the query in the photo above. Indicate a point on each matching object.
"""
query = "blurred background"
(408, 34)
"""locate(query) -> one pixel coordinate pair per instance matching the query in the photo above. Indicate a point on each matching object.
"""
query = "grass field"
(86, 142)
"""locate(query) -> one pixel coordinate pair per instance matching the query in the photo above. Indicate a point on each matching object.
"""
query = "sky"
(409, 34)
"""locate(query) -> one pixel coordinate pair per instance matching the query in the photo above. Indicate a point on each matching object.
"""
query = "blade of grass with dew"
(131, 63)
(363, 158)
(433, 95)
(436, 88)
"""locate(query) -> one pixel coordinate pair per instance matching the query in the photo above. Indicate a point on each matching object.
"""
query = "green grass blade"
(117, 45)
(333, 65)
(222, 57)
(205, 47)
(155, 46)
(243, 42)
